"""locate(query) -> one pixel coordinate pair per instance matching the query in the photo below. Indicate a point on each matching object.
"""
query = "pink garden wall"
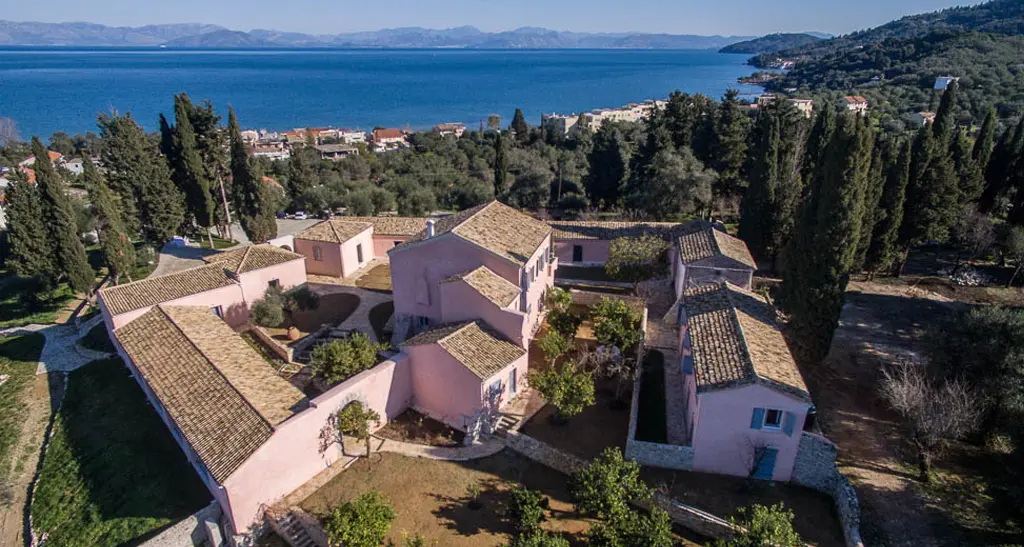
(383, 243)
(349, 256)
(293, 454)
(723, 439)
(230, 299)
(595, 251)
(330, 254)
(290, 274)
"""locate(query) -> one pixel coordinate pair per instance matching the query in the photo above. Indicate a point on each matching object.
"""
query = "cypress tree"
(254, 201)
(1000, 167)
(301, 172)
(829, 239)
(501, 185)
(883, 251)
(945, 123)
(609, 167)
(187, 166)
(986, 140)
(793, 129)
(59, 216)
(758, 200)
(817, 142)
(932, 193)
(118, 251)
(520, 127)
(137, 172)
(730, 145)
(881, 155)
(970, 177)
(213, 148)
(32, 255)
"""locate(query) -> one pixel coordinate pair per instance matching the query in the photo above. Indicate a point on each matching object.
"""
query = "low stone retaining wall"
(703, 523)
(193, 531)
(543, 453)
(815, 468)
(668, 456)
(282, 351)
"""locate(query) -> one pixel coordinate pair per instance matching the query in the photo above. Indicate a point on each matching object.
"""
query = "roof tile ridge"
(245, 256)
(216, 368)
(472, 216)
(734, 315)
(334, 230)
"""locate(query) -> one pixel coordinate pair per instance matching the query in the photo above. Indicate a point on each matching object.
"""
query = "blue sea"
(50, 89)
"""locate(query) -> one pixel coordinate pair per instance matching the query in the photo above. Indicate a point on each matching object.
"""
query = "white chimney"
(430, 229)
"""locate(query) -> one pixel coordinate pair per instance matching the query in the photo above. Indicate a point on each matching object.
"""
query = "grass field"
(112, 474)
(16, 312)
(18, 359)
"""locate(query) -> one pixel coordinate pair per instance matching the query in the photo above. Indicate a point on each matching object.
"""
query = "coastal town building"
(562, 124)
(455, 129)
(854, 103)
(924, 118)
(351, 136)
(388, 139)
(335, 152)
(274, 149)
(766, 99)
(568, 124)
(56, 158)
(805, 106)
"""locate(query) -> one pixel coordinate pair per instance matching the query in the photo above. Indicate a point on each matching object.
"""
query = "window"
(577, 253)
(275, 283)
(218, 311)
(397, 243)
(772, 419)
(318, 253)
(359, 253)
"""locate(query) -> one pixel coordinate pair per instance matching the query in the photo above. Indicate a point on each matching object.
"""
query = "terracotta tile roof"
(735, 341)
(490, 285)
(333, 231)
(705, 241)
(252, 257)
(393, 226)
(496, 227)
(154, 290)
(223, 397)
(607, 230)
(855, 99)
(387, 134)
(473, 344)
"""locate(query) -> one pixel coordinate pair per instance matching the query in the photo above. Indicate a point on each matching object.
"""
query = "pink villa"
(468, 292)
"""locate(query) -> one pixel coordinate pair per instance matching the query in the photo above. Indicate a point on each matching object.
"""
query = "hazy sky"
(735, 17)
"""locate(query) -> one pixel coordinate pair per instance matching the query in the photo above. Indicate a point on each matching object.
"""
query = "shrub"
(526, 509)
(616, 324)
(303, 299)
(628, 528)
(554, 344)
(565, 323)
(540, 538)
(605, 486)
(339, 360)
(267, 313)
(362, 522)
(763, 526)
(558, 299)
(634, 259)
(354, 420)
(567, 388)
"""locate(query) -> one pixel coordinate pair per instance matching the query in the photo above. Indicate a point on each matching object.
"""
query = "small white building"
(352, 136)
(854, 103)
(805, 106)
(942, 82)
(75, 165)
(451, 128)
(924, 118)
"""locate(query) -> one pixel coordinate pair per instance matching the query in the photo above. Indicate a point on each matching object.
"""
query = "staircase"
(505, 424)
(291, 530)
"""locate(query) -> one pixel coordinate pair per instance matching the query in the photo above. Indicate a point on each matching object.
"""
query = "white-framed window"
(773, 418)
(218, 311)
(318, 253)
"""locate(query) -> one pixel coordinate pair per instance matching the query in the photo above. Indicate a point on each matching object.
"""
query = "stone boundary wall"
(815, 468)
(282, 351)
(692, 518)
(668, 456)
(192, 531)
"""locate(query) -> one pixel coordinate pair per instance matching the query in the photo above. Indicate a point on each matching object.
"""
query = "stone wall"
(543, 453)
(816, 468)
(282, 351)
(190, 532)
(668, 456)
(703, 523)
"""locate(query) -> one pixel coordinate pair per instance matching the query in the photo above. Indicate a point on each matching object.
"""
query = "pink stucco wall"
(349, 257)
(330, 257)
(443, 388)
(460, 302)
(595, 251)
(700, 273)
(230, 299)
(292, 455)
(426, 264)
(723, 440)
(383, 243)
(290, 274)
(544, 280)
(521, 366)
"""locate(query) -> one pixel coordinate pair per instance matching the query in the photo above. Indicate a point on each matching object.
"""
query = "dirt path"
(42, 399)
(879, 323)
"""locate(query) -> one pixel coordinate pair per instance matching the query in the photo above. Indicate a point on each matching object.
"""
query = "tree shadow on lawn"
(112, 469)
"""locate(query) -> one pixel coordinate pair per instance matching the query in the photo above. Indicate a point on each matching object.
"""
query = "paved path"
(176, 259)
(360, 318)
(60, 352)
(487, 448)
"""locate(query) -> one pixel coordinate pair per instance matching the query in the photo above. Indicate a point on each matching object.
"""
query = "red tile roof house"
(341, 246)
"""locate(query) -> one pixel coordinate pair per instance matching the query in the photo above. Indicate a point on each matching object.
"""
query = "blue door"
(766, 467)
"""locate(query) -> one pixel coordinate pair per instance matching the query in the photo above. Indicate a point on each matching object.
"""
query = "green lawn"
(97, 339)
(112, 474)
(19, 357)
(218, 243)
(651, 423)
(15, 311)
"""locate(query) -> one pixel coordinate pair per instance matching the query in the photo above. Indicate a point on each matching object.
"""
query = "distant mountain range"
(213, 36)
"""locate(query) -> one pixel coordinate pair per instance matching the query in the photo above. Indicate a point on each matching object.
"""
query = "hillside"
(771, 42)
(196, 35)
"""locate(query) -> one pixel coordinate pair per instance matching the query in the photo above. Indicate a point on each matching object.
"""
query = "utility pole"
(227, 213)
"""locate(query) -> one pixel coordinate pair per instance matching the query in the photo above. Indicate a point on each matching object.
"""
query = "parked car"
(282, 214)
(300, 215)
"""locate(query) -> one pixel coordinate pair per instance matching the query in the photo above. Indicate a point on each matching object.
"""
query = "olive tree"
(354, 420)
(362, 522)
(339, 360)
(758, 525)
(567, 387)
(607, 484)
(636, 259)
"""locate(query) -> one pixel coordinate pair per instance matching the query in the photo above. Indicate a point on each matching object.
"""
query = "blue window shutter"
(788, 422)
(758, 419)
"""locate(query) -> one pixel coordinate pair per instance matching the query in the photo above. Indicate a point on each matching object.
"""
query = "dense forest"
(771, 42)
